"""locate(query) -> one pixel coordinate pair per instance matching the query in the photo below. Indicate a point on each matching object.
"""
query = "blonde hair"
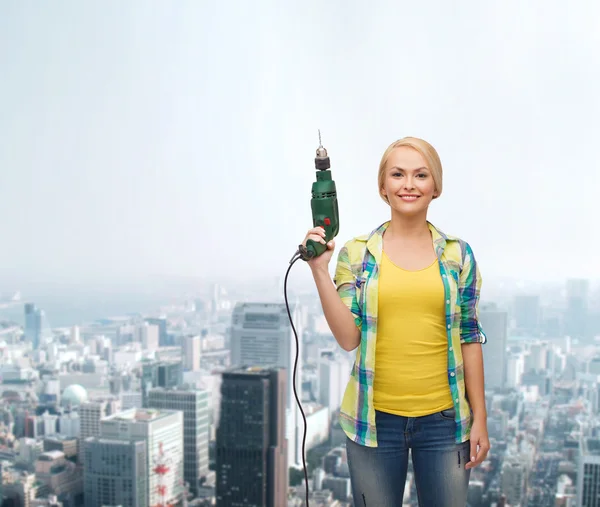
(427, 151)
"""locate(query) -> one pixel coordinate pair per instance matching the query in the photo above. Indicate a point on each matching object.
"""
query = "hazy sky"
(177, 138)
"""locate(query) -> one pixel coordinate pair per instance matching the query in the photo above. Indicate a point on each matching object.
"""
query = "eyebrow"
(402, 169)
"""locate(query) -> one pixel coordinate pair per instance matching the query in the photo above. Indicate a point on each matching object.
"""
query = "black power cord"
(296, 257)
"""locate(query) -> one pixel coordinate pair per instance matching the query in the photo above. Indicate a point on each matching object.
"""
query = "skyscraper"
(527, 313)
(33, 324)
(163, 337)
(251, 445)
(334, 372)
(162, 431)
(191, 348)
(261, 335)
(576, 316)
(495, 323)
(148, 335)
(91, 413)
(115, 473)
(512, 481)
(195, 407)
(588, 473)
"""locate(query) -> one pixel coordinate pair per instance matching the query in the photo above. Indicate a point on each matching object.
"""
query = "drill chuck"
(322, 162)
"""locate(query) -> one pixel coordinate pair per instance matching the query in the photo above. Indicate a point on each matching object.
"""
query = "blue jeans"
(378, 474)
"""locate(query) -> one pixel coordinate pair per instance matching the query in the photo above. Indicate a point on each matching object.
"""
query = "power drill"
(324, 205)
(325, 214)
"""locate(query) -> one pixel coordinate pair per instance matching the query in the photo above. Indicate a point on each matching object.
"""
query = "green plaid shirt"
(356, 279)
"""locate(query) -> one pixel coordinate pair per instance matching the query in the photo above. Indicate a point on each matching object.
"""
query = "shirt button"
(448, 326)
(457, 400)
(450, 348)
(447, 301)
(452, 374)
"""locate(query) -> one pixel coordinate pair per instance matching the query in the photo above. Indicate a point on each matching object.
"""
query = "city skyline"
(541, 389)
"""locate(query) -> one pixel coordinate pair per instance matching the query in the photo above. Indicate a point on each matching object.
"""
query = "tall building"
(191, 348)
(33, 324)
(148, 335)
(588, 473)
(576, 316)
(537, 359)
(115, 473)
(162, 432)
(512, 481)
(195, 407)
(261, 335)
(527, 313)
(90, 414)
(515, 366)
(333, 377)
(495, 323)
(251, 445)
(166, 374)
(163, 336)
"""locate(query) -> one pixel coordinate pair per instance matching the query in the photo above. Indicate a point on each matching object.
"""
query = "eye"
(422, 176)
(396, 174)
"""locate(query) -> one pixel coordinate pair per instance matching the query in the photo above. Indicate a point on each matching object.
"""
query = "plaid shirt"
(356, 279)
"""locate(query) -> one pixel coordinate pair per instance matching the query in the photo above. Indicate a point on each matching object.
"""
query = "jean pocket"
(449, 413)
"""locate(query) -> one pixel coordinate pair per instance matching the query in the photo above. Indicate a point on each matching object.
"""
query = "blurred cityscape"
(192, 403)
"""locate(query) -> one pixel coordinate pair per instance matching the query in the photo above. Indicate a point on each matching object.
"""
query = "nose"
(409, 182)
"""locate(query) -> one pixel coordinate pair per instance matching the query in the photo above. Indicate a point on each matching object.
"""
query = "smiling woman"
(414, 158)
(406, 298)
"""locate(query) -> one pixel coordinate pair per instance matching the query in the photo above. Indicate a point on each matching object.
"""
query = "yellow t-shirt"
(411, 375)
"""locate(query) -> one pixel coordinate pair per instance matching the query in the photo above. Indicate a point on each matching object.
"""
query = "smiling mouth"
(409, 197)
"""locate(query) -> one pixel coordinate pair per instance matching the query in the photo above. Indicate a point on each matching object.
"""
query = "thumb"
(331, 245)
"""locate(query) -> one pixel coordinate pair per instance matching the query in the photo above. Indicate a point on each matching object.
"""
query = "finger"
(473, 450)
(316, 238)
(482, 454)
(331, 245)
(479, 458)
(473, 455)
(314, 234)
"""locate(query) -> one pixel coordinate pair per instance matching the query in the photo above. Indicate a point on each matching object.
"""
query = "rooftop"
(139, 415)
(59, 438)
(252, 370)
(51, 455)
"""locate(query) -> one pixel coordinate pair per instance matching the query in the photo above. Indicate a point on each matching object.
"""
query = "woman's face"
(408, 184)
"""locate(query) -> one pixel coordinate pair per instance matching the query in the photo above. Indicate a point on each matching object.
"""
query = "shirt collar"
(375, 240)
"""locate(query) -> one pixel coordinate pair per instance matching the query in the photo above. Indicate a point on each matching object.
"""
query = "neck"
(405, 227)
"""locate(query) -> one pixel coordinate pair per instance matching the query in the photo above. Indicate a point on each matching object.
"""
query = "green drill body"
(323, 204)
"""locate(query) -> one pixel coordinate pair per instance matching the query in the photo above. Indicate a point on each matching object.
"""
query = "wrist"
(480, 416)
(320, 271)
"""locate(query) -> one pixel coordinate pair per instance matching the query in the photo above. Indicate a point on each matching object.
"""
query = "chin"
(410, 208)
(412, 211)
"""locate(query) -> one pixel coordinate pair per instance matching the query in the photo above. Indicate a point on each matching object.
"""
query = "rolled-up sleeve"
(470, 289)
(345, 282)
